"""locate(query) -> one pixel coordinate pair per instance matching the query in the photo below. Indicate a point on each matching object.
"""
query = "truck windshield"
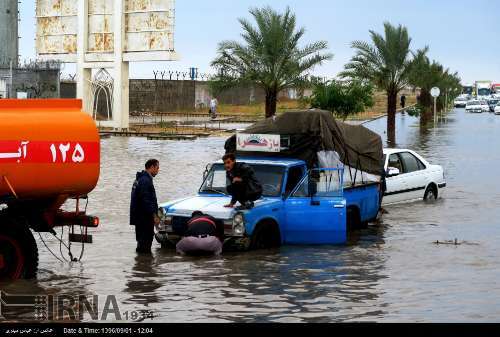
(270, 177)
(483, 92)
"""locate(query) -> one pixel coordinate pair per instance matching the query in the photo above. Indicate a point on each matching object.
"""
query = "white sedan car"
(460, 102)
(497, 109)
(477, 105)
(410, 177)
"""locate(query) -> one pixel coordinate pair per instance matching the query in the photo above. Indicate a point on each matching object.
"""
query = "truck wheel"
(266, 235)
(430, 193)
(353, 219)
(18, 253)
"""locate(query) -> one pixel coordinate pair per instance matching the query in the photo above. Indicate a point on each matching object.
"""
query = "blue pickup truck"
(298, 206)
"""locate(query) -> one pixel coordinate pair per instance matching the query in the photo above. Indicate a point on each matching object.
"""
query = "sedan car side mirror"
(392, 172)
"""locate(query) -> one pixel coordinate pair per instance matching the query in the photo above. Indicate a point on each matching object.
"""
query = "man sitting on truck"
(243, 185)
(144, 206)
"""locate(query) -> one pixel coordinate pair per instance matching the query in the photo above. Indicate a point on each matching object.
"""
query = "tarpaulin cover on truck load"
(310, 131)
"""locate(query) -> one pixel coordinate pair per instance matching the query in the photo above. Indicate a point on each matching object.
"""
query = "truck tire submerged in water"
(266, 235)
(354, 220)
(18, 252)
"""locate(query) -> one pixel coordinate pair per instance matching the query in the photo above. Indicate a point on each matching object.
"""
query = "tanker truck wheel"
(18, 253)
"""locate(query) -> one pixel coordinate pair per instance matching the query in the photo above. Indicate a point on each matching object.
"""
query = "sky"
(462, 35)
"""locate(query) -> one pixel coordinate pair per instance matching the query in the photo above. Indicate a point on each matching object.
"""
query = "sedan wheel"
(430, 194)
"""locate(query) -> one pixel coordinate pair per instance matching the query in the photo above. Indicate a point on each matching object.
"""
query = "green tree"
(386, 64)
(342, 98)
(270, 56)
(426, 74)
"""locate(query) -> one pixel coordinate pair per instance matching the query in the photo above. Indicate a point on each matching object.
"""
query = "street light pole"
(435, 108)
(435, 92)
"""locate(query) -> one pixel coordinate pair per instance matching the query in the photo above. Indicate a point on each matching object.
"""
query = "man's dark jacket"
(143, 203)
(247, 174)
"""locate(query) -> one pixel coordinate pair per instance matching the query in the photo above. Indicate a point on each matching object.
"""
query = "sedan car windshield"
(270, 177)
(473, 103)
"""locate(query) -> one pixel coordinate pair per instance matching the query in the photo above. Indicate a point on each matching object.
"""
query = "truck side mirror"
(312, 186)
(207, 169)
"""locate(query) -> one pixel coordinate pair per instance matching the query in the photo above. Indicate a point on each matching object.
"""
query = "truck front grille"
(179, 225)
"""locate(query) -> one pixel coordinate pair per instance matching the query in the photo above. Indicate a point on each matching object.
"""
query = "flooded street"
(392, 271)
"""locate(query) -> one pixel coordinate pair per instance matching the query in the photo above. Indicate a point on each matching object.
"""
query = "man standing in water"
(144, 206)
(213, 107)
(244, 186)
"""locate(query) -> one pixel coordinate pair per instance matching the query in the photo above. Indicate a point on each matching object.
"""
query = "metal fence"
(176, 75)
(31, 64)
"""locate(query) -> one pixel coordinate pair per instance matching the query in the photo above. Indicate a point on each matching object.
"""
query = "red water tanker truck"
(49, 153)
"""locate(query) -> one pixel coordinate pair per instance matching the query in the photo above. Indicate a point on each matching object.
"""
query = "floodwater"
(392, 271)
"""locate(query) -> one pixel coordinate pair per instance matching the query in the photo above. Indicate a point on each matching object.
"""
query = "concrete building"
(9, 38)
(29, 80)
(9, 44)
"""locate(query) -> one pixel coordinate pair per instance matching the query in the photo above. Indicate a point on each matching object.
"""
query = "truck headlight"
(165, 221)
(239, 225)
(168, 220)
(238, 219)
(166, 225)
(161, 213)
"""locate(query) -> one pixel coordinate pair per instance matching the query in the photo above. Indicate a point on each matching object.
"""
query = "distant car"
(485, 106)
(410, 177)
(497, 109)
(477, 106)
(492, 102)
(460, 102)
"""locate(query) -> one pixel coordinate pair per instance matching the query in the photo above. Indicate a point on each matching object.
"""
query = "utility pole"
(10, 94)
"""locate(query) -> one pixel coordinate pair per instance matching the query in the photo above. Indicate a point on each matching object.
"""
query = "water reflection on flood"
(389, 272)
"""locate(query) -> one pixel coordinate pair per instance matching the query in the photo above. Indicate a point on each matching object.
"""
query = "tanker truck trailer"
(49, 153)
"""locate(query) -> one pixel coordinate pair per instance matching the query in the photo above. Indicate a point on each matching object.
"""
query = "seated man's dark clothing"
(203, 225)
(249, 189)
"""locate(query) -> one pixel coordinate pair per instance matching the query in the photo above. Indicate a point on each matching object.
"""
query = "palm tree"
(385, 64)
(270, 55)
(427, 74)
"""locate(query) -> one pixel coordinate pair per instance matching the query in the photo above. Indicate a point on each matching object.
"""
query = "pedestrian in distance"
(403, 101)
(243, 184)
(213, 107)
(144, 206)
(204, 236)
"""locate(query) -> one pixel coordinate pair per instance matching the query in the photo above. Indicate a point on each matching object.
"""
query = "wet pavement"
(392, 271)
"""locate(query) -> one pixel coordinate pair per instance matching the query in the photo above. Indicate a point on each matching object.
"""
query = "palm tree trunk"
(392, 97)
(427, 103)
(271, 101)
